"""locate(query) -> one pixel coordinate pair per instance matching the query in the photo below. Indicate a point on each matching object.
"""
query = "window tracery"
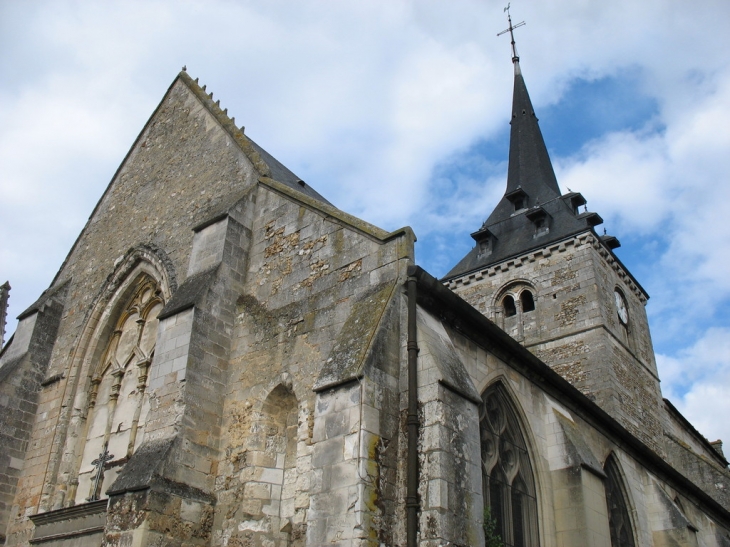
(619, 522)
(117, 405)
(507, 477)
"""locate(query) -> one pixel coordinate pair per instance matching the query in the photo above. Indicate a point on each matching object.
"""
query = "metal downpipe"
(412, 503)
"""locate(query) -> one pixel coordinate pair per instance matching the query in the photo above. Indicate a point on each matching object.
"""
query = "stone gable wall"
(183, 169)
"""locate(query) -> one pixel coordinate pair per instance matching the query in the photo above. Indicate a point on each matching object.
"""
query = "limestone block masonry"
(222, 361)
(575, 329)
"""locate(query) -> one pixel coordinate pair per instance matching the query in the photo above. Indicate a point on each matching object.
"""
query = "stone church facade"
(226, 359)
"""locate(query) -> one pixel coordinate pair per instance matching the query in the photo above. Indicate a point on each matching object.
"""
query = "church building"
(225, 359)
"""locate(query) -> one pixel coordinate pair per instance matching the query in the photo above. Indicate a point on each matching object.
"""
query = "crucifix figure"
(515, 57)
(99, 463)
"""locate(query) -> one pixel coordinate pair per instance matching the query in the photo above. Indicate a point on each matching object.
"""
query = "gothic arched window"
(117, 405)
(619, 523)
(507, 478)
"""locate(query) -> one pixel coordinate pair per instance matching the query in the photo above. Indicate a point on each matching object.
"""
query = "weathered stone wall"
(276, 397)
(688, 451)
(327, 476)
(23, 373)
(703, 471)
(183, 169)
(568, 455)
(258, 301)
(450, 483)
(575, 329)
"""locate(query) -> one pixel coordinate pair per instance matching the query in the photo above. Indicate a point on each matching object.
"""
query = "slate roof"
(532, 213)
(281, 173)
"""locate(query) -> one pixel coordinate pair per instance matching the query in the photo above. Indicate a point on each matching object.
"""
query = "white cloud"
(697, 381)
(365, 101)
(673, 185)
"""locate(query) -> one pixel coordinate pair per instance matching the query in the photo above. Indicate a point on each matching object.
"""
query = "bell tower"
(540, 270)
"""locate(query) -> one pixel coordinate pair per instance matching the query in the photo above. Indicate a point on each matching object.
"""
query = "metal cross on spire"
(515, 57)
(99, 476)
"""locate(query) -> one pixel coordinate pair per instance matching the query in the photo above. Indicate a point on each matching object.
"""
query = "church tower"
(541, 271)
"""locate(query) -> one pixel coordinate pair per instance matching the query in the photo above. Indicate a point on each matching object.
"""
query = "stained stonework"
(23, 376)
(243, 348)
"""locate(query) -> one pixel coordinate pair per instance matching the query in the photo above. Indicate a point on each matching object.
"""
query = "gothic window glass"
(117, 406)
(619, 523)
(508, 481)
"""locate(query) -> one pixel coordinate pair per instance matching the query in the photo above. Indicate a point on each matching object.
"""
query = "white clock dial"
(621, 308)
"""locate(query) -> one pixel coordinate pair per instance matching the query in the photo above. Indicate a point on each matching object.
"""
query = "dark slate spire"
(530, 178)
(530, 174)
(532, 214)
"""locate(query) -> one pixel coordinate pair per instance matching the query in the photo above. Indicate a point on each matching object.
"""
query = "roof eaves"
(451, 277)
(521, 252)
(700, 437)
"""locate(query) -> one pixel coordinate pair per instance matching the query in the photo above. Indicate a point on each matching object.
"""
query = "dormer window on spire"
(540, 220)
(591, 219)
(575, 201)
(518, 198)
(485, 242)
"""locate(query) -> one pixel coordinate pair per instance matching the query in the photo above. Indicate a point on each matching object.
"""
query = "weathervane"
(99, 464)
(515, 57)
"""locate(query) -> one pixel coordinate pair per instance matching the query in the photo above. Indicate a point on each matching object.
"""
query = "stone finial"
(717, 445)
(4, 296)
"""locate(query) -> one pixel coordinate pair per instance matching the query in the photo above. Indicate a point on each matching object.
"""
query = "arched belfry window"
(527, 301)
(514, 309)
(516, 299)
(619, 522)
(117, 405)
(508, 303)
(507, 476)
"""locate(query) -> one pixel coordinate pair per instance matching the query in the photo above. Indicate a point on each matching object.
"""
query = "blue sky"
(398, 113)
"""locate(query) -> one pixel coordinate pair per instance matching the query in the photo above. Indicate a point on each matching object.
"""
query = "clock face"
(621, 307)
